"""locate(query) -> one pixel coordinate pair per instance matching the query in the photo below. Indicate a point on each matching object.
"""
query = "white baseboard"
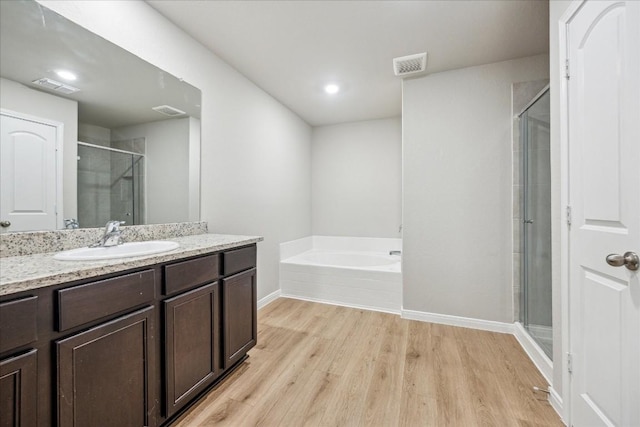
(556, 402)
(342, 304)
(464, 322)
(269, 299)
(535, 353)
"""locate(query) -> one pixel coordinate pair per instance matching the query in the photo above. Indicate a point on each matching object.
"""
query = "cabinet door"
(192, 344)
(18, 376)
(239, 315)
(103, 373)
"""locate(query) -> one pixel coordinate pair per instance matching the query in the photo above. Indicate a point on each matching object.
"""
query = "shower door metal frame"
(524, 172)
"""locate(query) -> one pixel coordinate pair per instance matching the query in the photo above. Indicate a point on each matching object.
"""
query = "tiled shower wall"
(521, 94)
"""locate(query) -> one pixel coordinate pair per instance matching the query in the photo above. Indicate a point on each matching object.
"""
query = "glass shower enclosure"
(110, 186)
(535, 296)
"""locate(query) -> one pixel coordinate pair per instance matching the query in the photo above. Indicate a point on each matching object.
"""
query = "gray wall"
(194, 169)
(93, 134)
(356, 179)
(21, 99)
(457, 177)
(256, 153)
(167, 167)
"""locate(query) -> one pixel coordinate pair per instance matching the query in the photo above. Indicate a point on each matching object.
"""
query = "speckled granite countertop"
(21, 273)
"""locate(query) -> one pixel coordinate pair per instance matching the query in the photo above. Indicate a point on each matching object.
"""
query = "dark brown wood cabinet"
(134, 348)
(191, 344)
(104, 373)
(84, 304)
(18, 382)
(240, 315)
(18, 323)
(18, 361)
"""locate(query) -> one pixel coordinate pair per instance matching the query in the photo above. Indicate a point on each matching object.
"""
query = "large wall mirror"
(90, 131)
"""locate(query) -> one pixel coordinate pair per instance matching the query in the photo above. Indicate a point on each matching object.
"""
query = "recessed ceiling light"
(332, 88)
(67, 75)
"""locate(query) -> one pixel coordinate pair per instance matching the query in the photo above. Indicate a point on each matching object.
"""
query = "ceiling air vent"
(55, 86)
(168, 110)
(411, 64)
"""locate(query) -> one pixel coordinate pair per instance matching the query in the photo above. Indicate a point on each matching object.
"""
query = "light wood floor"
(324, 365)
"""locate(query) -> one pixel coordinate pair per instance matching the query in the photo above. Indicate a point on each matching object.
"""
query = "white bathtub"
(355, 272)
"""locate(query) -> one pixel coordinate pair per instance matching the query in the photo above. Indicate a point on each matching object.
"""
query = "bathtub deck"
(323, 365)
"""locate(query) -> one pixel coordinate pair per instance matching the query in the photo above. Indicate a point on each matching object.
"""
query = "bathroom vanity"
(134, 344)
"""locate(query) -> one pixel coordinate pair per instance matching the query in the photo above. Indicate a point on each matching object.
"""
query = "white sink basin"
(121, 251)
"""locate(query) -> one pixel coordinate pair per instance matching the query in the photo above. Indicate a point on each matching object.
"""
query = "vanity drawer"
(18, 323)
(189, 274)
(239, 260)
(86, 303)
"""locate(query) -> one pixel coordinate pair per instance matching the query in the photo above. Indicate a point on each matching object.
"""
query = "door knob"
(629, 260)
(5, 224)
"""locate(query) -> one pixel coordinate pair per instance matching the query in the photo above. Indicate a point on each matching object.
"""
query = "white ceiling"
(291, 49)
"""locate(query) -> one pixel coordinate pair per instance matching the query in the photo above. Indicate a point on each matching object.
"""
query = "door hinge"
(566, 69)
(570, 363)
(568, 215)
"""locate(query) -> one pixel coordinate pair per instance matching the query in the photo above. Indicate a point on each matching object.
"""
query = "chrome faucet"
(395, 253)
(112, 235)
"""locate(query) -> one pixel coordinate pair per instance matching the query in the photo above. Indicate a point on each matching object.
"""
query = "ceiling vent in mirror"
(168, 110)
(410, 64)
(55, 86)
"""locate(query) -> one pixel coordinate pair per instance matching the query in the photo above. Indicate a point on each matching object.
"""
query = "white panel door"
(604, 193)
(27, 175)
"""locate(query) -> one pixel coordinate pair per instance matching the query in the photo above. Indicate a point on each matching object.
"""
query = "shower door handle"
(629, 260)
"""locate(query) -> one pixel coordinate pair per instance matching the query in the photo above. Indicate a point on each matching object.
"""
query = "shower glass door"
(535, 300)
(110, 186)
(126, 178)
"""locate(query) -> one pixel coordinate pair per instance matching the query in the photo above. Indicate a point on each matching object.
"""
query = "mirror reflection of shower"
(535, 302)
(111, 183)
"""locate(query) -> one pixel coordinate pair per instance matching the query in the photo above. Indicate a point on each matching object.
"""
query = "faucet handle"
(113, 226)
(71, 223)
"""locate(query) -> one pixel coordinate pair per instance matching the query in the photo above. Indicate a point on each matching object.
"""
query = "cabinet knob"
(5, 224)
